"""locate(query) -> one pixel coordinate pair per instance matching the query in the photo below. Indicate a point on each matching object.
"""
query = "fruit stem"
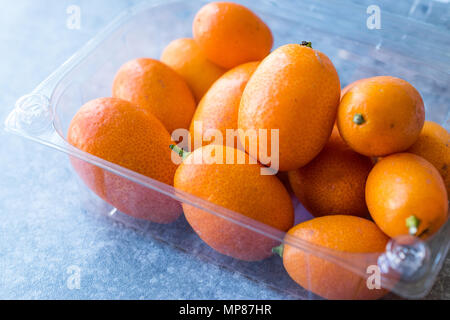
(278, 250)
(307, 44)
(183, 154)
(412, 223)
(359, 119)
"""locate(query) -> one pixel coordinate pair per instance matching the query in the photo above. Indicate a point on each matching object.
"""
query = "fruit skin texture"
(127, 135)
(157, 88)
(334, 182)
(219, 109)
(230, 34)
(434, 145)
(185, 57)
(295, 89)
(240, 188)
(393, 116)
(350, 86)
(344, 234)
(402, 185)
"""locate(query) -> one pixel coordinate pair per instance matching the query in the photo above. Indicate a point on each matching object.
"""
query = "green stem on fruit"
(307, 44)
(412, 223)
(278, 250)
(359, 119)
(183, 154)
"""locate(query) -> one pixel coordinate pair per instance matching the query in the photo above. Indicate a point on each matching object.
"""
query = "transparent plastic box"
(403, 47)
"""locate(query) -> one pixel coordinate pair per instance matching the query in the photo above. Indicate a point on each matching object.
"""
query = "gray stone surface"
(43, 229)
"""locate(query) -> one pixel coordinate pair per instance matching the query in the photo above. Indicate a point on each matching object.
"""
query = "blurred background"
(44, 232)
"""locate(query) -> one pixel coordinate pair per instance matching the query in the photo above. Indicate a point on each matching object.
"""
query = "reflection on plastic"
(127, 196)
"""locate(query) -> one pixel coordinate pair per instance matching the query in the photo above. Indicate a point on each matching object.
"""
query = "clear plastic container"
(404, 48)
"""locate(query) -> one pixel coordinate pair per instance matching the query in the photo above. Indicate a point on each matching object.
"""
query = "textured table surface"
(43, 231)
